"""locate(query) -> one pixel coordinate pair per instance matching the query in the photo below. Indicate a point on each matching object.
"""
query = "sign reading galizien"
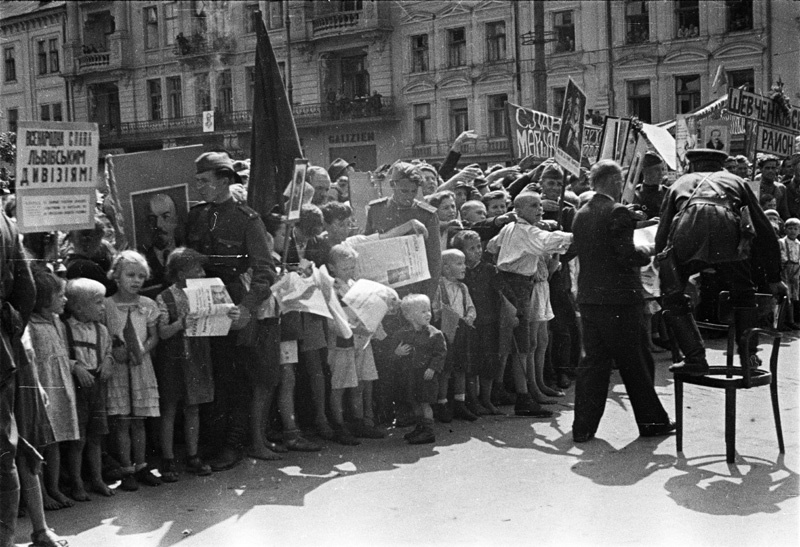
(56, 175)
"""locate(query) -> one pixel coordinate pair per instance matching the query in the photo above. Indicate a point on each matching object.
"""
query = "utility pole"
(539, 65)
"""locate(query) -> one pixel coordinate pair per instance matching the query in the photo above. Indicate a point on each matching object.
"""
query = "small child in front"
(457, 304)
(420, 350)
(89, 345)
(55, 374)
(183, 366)
(351, 361)
(132, 320)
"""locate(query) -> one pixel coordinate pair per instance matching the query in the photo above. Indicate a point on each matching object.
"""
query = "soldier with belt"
(383, 215)
(234, 239)
(17, 297)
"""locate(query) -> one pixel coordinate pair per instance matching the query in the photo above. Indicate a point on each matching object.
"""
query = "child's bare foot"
(99, 487)
(78, 493)
(47, 538)
(58, 496)
(552, 392)
(262, 453)
(49, 503)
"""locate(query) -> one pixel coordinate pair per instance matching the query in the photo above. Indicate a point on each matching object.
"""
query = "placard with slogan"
(536, 133)
(570, 136)
(56, 175)
(774, 141)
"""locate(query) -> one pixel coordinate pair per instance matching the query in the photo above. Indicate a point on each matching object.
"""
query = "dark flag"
(274, 143)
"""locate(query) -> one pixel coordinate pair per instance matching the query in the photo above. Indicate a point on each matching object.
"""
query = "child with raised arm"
(54, 368)
(455, 302)
(351, 360)
(89, 346)
(132, 320)
(183, 364)
(420, 351)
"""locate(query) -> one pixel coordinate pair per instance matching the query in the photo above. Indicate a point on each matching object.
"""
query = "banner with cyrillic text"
(56, 175)
(536, 133)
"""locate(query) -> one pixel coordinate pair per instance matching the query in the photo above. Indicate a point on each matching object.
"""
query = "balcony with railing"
(485, 146)
(369, 15)
(91, 60)
(305, 115)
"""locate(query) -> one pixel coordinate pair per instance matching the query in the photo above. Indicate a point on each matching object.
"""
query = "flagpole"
(288, 23)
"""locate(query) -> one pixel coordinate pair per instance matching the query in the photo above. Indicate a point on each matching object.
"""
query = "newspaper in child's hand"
(210, 303)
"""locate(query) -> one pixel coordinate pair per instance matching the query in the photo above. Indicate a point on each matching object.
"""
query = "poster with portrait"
(570, 136)
(158, 216)
(634, 169)
(295, 190)
(716, 136)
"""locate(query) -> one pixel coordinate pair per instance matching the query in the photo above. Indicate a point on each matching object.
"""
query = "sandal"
(47, 538)
(169, 470)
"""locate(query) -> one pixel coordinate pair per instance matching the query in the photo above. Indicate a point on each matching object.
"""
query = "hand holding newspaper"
(209, 304)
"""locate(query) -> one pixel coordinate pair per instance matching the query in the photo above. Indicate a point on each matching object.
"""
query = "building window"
(639, 100)
(13, 118)
(202, 91)
(496, 41)
(687, 18)
(740, 15)
(459, 117)
(687, 93)
(154, 92)
(419, 53)
(355, 78)
(250, 18)
(174, 97)
(564, 27)
(275, 14)
(53, 47)
(637, 22)
(558, 100)
(739, 78)
(10, 67)
(151, 27)
(498, 127)
(456, 47)
(170, 22)
(422, 123)
(41, 55)
(224, 91)
(50, 112)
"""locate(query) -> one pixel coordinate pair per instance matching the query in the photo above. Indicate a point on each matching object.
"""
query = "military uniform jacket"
(234, 239)
(649, 198)
(716, 240)
(384, 214)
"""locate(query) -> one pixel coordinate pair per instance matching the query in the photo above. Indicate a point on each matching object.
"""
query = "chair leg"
(678, 416)
(776, 411)
(730, 424)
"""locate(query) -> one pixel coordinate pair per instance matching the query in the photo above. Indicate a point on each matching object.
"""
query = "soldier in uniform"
(701, 226)
(383, 215)
(17, 297)
(650, 193)
(234, 239)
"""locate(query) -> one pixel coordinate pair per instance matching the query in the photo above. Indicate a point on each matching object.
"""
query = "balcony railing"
(94, 60)
(342, 20)
(305, 115)
(482, 146)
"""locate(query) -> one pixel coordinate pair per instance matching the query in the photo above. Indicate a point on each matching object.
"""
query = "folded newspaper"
(210, 303)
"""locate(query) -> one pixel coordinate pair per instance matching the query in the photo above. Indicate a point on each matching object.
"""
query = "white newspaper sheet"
(368, 300)
(396, 262)
(210, 302)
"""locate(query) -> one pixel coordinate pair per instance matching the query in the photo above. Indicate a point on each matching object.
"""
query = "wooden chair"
(732, 376)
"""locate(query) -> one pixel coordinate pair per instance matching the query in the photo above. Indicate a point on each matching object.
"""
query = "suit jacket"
(609, 263)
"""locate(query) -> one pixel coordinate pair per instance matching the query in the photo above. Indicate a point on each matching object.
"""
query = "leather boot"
(9, 506)
(686, 334)
(744, 319)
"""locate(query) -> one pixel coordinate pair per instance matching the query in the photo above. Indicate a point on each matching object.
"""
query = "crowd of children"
(108, 363)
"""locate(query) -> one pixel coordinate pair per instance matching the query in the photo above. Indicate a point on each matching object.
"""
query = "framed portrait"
(296, 189)
(716, 137)
(570, 137)
(158, 212)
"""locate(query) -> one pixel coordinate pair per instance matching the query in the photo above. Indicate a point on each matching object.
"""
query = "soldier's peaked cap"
(211, 161)
(706, 154)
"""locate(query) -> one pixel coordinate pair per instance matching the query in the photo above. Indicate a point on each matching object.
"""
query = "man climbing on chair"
(711, 219)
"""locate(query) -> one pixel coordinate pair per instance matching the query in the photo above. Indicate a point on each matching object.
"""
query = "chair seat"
(717, 377)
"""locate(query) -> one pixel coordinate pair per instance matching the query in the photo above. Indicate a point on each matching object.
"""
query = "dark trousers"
(562, 327)
(230, 412)
(614, 334)
(9, 480)
(735, 277)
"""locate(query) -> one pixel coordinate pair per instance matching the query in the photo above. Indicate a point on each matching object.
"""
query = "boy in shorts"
(420, 352)
(90, 352)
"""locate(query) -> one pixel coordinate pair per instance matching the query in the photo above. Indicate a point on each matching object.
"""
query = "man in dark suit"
(610, 297)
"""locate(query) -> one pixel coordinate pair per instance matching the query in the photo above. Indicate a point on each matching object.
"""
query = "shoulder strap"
(172, 305)
(97, 343)
(70, 340)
